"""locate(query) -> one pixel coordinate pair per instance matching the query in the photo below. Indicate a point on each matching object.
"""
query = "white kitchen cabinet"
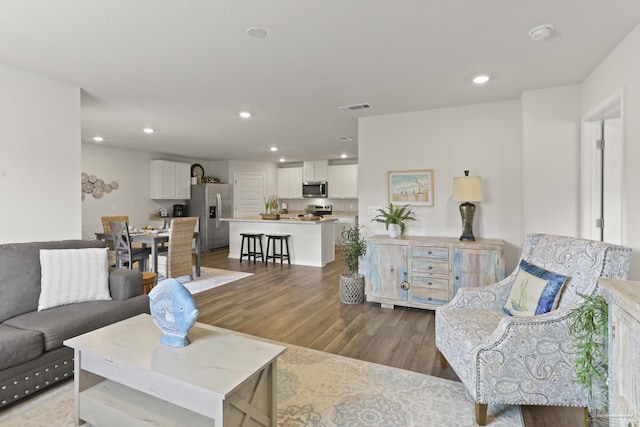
(316, 170)
(170, 180)
(290, 183)
(343, 181)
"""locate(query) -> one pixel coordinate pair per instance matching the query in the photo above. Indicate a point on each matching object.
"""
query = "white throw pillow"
(73, 275)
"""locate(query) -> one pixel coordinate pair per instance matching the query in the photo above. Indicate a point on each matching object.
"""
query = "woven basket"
(351, 289)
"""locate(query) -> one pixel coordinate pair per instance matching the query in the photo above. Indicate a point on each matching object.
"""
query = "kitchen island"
(311, 242)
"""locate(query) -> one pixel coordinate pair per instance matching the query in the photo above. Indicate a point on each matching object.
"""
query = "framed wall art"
(413, 187)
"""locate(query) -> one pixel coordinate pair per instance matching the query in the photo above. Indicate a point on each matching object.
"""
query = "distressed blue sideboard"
(425, 272)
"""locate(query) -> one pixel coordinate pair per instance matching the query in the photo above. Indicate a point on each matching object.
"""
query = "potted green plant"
(394, 218)
(271, 206)
(352, 282)
(590, 330)
(309, 211)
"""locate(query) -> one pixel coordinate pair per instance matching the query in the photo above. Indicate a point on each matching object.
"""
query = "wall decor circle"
(91, 184)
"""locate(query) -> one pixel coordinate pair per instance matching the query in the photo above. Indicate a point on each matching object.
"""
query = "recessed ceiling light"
(481, 79)
(148, 130)
(273, 148)
(256, 32)
(245, 114)
(98, 138)
(344, 156)
(282, 159)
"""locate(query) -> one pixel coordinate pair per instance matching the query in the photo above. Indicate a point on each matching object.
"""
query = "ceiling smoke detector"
(541, 32)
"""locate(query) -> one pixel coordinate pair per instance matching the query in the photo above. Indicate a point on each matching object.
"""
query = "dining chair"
(176, 260)
(125, 255)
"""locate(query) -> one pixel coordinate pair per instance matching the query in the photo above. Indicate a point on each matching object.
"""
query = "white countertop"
(284, 219)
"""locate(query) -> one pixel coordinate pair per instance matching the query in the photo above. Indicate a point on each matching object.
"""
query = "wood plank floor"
(301, 305)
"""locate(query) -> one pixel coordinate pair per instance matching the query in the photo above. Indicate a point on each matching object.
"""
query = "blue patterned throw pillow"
(534, 291)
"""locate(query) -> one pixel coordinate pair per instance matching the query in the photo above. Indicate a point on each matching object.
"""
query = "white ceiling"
(186, 67)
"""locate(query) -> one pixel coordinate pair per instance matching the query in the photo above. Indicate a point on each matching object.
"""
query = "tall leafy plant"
(355, 247)
(589, 329)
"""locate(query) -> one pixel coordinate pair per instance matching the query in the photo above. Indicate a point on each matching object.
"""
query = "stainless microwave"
(312, 189)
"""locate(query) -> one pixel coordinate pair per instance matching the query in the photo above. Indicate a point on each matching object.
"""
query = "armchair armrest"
(527, 354)
(125, 283)
(490, 297)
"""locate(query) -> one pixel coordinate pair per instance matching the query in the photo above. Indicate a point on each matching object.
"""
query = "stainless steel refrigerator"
(210, 202)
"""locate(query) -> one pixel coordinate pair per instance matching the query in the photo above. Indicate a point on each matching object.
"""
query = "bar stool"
(251, 237)
(282, 238)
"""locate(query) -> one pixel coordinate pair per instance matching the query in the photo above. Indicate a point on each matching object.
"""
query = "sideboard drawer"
(429, 282)
(426, 294)
(426, 265)
(430, 252)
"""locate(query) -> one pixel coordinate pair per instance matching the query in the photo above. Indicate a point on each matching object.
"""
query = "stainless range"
(322, 210)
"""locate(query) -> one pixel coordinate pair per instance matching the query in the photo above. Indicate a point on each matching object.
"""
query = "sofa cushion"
(73, 275)
(534, 291)
(20, 273)
(67, 321)
(471, 325)
(18, 346)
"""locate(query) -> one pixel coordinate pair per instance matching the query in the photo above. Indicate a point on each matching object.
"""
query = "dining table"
(153, 240)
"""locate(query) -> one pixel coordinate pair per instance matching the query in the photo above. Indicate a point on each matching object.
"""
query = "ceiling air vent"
(354, 107)
(344, 139)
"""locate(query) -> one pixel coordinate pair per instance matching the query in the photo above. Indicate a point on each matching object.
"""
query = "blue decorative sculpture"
(174, 311)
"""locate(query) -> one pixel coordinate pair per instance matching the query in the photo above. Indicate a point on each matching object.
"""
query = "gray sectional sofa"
(32, 355)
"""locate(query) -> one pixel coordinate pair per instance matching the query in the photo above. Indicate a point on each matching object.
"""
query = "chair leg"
(286, 241)
(586, 417)
(261, 251)
(443, 360)
(241, 249)
(481, 414)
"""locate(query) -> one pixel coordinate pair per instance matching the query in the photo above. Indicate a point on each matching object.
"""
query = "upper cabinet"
(170, 180)
(290, 183)
(316, 170)
(343, 181)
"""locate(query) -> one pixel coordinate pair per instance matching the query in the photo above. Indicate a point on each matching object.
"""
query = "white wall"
(485, 139)
(131, 169)
(551, 160)
(621, 69)
(40, 160)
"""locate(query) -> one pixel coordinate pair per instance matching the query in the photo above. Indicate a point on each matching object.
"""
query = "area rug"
(211, 278)
(318, 389)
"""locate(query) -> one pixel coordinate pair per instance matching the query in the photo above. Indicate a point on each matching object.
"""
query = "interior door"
(248, 193)
(603, 171)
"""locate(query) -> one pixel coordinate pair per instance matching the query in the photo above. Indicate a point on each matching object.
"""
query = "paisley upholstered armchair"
(525, 359)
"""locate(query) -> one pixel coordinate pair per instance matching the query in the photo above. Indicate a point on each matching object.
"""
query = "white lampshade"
(466, 189)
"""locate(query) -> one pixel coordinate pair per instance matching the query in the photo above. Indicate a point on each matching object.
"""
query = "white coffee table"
(125, 377)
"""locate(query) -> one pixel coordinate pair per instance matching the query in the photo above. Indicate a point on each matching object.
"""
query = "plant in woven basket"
(589, 329)
(352, 283)
(355, 247)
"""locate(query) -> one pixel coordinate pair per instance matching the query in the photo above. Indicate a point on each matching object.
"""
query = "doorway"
(603, 174)
(248, 194)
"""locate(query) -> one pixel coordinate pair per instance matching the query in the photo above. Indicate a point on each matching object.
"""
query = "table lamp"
(466, 189)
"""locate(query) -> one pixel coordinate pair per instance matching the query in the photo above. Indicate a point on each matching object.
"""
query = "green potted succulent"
(352, 282)
(589, 329)
(309, 211)
(394, 218)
